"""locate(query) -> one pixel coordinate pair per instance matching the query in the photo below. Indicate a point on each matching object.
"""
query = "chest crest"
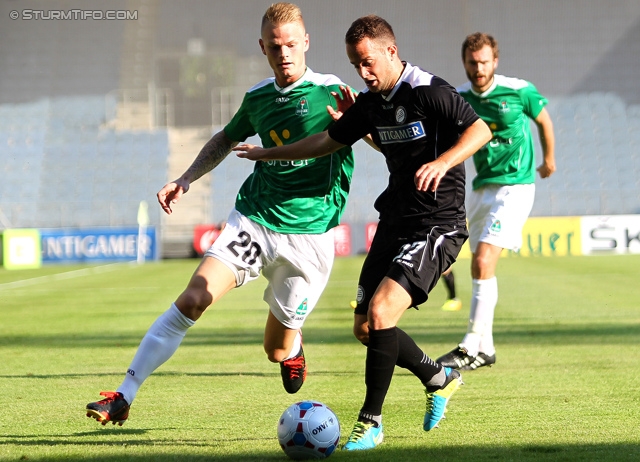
(401, 115)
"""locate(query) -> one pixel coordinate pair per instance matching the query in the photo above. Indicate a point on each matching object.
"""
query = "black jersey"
(417, 122)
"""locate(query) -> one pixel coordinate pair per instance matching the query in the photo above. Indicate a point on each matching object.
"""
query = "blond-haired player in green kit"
(503, 190)
(282, 223)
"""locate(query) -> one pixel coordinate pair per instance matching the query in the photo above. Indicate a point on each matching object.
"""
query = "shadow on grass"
(527, 453)
(119, 437)
(170, 374)
(577, 334)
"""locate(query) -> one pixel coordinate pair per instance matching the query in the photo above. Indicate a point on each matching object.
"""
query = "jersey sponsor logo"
(288, 163)
(276, 139)
(286, 134)
(302, 108)
(282, 99)
(302, 309)
(401, 115)
(497, 141)
(401, 134)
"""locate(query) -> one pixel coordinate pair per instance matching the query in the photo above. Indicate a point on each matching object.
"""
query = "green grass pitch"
(566, 386)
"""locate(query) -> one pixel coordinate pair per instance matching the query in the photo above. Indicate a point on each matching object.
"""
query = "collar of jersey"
(494, 84)
(295, 84)
(407, 68)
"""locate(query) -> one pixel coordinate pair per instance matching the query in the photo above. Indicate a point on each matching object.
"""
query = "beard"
(484, 83)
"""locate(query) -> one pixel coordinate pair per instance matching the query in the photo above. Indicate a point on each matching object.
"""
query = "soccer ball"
(308, 430)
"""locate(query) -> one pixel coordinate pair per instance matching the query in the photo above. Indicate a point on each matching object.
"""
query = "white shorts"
(497, 214)
(297, 266)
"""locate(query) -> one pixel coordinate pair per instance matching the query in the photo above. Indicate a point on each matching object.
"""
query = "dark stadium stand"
(78, 149)
(63, 170)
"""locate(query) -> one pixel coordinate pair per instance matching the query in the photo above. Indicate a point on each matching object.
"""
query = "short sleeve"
(352, 126)
(448, 105)
(532, 101)
(240, 127)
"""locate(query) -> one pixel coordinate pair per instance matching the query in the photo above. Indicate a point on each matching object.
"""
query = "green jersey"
(506, 107)
(292, 197)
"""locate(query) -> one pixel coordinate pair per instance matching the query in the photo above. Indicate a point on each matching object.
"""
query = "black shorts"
(415, 262)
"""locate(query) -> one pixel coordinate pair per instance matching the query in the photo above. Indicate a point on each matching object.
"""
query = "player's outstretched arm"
(547, 141)
(212, 153)
(473, 138)
(317, 145)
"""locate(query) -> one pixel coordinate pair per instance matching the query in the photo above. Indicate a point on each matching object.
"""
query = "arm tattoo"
(212, 153)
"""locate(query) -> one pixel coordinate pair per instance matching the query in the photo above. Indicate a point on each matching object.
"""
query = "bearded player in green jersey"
(282, 223)
(503, 190)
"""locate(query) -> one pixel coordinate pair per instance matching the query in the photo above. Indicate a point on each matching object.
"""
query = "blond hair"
(282, 13)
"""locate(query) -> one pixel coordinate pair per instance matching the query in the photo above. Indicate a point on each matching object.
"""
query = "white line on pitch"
(60, 276)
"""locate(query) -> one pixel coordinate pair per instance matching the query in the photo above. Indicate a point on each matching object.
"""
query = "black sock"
(376, 420)
(411, 357)
(450, 283)
(382, 354)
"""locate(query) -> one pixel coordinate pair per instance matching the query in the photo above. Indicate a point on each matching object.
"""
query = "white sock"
(159, 343)
(295, 349)
(484, 298)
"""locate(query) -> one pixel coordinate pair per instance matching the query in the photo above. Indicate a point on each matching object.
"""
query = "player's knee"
(193, 302)
(383, 314)
(480, 266)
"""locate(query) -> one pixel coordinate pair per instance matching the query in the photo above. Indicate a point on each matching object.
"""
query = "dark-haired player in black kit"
(425, 130)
